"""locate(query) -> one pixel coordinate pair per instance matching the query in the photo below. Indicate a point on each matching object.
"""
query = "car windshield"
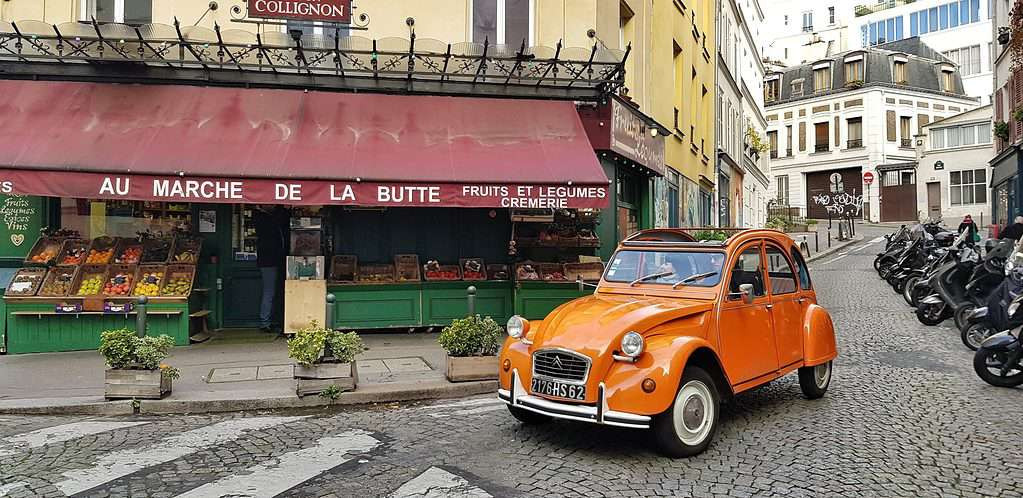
(666, 267)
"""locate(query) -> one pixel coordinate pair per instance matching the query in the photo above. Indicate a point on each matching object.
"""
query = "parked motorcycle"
(985, 279)
(948, 283)
(999, 360)
(994, 317)
(917, 285)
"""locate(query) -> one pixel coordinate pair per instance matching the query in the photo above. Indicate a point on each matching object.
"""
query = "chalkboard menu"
(21, 218)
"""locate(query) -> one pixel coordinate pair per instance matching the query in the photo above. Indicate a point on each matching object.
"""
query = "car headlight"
(632, 344)
(517, 326)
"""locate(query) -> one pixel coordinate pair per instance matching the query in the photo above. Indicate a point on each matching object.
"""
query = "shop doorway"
(934, 200)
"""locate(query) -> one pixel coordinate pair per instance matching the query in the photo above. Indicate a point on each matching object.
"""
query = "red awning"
(183, 143)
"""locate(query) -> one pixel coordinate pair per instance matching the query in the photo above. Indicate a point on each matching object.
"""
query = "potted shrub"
(325, 359)
(136, 368)
(472, 344)
(854, 84)
(1002, 130)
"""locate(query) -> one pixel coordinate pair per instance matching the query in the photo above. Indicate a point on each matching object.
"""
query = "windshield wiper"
(651, 276)
(692, 278)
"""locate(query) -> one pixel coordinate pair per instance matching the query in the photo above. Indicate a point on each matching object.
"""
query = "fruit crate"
(149, 280)
(344, 268)
(156, 249)
(434, 271)
(406, 268)
(44, 251)
(588, 271)
(128, 252)
(588, 239)
(498, 272)
(473, 269)
(552, 272)
(120, 280)
(178, 280)
(101, 251)
(527, 270)
(58, 281)
(73, 252)
(376, 274)
(26, 282)
(186, 250)
(89, 273)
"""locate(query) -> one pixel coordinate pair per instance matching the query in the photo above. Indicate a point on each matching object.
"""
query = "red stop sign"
(868, 177)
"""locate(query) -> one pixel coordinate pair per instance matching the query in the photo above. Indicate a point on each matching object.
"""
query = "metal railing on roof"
(866, 10)
(416, 65)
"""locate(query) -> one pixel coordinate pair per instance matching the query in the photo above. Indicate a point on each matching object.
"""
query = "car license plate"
(558, 389)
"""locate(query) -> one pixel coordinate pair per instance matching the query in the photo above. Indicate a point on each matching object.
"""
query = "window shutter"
(921, 121)
(890, 122)
(838, 138)
(802, 136)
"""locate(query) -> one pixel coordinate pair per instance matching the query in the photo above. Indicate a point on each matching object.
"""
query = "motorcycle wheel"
(961, 317)
(975, 334)
(877, 264)
(988, 365)
(917, 295)
(890, 278)
(907, 290)
(899, 285)
(931, 314)
(886, 268)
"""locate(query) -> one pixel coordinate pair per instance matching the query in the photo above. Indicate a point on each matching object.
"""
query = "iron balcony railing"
(855, 144)
(907, 142)
(821, 148)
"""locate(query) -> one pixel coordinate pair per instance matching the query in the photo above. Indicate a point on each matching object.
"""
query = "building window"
(772, 138)
(781, 183)
(967, 58)
(948, 81)
(771, 90)
(945, 16)
(121, 11)
(899, 73)
(807, 21)
(961, 136)
(788, 141)
(968, 187)
(883, 31)
(854, 71)
(831, 15)
(821, 137)
(904, 127)
(855, 127)
(821, 79)
(502, 21)
(797, 88)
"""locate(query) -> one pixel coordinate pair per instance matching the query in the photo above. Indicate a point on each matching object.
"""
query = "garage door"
(834, 193)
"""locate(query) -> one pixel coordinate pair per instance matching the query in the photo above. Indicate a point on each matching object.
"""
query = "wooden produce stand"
(60, 314)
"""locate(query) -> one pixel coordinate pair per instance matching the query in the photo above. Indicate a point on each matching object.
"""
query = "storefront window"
(243, 233)
(97, 218)
(1001, 204)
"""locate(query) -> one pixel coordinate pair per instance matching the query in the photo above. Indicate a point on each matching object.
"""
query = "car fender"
(818, 336)
(517, 354)
(663, 361)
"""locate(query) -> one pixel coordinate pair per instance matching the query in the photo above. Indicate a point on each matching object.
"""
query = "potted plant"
(136, 368)
(325, 359)
(1002, 130)
(854, 84)
(472, 344)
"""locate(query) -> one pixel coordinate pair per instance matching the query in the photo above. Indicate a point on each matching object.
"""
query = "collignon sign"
(305, 10)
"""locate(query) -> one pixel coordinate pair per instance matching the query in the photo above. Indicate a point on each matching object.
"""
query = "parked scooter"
(999, 360)
(992, 318)
(985, 279)
(917, 285)
(948, 283)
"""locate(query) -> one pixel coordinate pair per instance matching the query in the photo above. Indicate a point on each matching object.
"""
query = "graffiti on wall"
(839, 204)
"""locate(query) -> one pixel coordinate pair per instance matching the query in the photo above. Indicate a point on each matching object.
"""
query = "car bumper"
(519, 397)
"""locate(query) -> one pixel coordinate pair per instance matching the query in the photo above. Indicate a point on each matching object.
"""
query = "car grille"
(561, 365)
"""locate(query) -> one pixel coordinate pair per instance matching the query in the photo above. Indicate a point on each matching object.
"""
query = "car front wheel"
(814, 381)
(688, 426)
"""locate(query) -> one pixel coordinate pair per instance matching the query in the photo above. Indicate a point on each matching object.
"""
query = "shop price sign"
(338, 11)
(301, 192)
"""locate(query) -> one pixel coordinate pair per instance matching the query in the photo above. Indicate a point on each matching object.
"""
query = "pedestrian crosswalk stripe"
(289, 470)
(121, 463)
(58, 434)
(439, 483)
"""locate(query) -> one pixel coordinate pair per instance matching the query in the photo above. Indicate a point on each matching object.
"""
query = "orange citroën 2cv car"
(674, 327)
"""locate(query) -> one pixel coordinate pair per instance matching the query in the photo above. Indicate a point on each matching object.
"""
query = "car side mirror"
(747, 293)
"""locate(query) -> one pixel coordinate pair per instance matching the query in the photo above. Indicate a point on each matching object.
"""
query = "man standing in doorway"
(271, 226)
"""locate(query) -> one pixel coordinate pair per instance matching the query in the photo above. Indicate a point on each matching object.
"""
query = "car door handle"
(801, 300)
(769, 306)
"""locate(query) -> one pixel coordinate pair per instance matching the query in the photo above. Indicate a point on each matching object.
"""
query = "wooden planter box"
(469, 368)
(314, 379)
(141, 384)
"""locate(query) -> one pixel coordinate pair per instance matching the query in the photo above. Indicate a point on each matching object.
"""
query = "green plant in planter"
(1018, 114)
(306, 347)
(471, 336)
(344, 346)
(123, 349)
(854, 84)
(1002, 130)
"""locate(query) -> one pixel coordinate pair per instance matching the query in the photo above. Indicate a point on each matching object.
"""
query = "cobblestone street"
(905, 416)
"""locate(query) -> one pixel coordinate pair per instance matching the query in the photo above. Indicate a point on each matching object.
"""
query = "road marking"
(470, 411)
(121, 463)
(289, 470)
(438, 483)
(59, 434)
(7, 488)
(833, 260)
(875, 241)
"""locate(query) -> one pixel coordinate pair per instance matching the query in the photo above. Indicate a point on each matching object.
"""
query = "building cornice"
(867, 88)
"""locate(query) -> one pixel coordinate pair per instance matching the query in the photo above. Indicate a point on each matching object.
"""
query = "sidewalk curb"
(835, 248)
(378, 393)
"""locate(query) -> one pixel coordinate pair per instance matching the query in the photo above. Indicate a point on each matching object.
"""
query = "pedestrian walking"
(968, 224)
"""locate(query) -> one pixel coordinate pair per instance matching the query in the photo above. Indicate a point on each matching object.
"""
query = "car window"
(669, 267)
(748, 270)
(779, 272)
(804, 273)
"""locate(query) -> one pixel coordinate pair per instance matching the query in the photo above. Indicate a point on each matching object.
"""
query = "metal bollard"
(816, 242)
(471, 299)
(579, 282)
(829, 238)
(140, 316)
(329, 317)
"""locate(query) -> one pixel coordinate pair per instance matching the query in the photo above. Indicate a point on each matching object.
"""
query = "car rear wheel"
(527, 417)
(814, 381)
(688, 426)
